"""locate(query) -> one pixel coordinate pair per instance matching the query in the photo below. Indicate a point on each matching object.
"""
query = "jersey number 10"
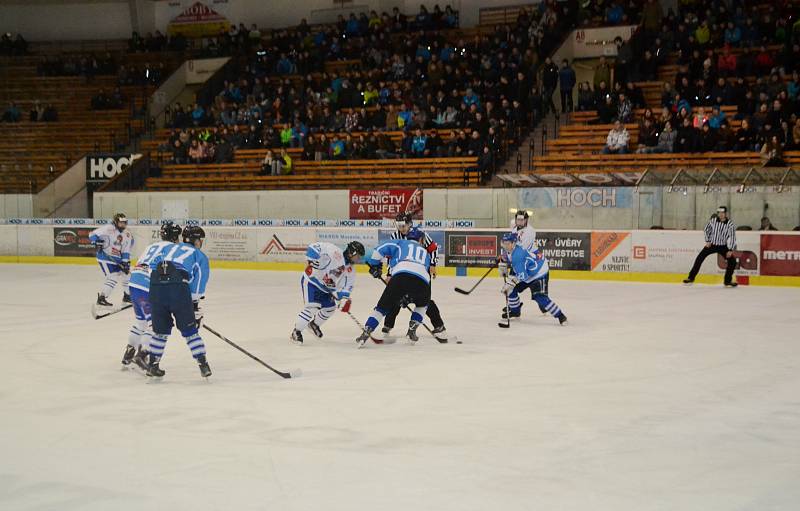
(417, 254)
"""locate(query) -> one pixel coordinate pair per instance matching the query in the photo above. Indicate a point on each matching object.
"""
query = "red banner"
(378, 204)
(780, 254)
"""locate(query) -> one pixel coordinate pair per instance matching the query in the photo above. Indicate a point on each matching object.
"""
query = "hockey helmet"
(170, 232)
(192, 233)
(120, 221)
(509, 237)
(353, 249)
(415, 234)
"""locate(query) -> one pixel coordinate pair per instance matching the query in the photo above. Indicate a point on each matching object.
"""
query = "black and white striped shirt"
(721, 233)
(425, 242)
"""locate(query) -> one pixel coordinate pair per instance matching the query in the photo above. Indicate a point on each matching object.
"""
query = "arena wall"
(628, 255)
(553, 208)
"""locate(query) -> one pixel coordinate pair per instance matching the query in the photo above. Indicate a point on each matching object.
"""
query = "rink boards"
(631, 255)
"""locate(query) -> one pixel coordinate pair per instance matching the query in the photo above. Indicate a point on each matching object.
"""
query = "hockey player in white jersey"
(114, 244)
(142, 332)
(328, 278)
(526, 235)
(526, 238)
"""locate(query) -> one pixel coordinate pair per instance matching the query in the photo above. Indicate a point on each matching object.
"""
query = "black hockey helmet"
(170, 232)
(522, 215)
(119, 219)
(192, 233)
(404, 218)
(353, 248)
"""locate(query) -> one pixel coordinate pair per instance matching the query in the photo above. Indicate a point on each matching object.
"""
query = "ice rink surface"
(654, 397)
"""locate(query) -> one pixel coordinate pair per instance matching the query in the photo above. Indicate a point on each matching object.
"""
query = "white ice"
(654, 397)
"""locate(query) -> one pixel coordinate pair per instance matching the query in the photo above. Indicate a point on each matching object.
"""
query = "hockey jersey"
(405, 256)
(185, 257)
(328, 271)
(140, 274)
(526, 236)
(116, 245)
(528, 265)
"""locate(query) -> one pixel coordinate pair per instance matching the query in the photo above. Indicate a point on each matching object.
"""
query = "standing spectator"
(566, 82)
(720, 236)
(549, 82)
(617, 140)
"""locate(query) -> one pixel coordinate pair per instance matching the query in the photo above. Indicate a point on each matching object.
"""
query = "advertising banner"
(675, 252)
(566, 250)
(780, 254)
(198, 20)
(378, 204)
(73, 241)
(472, 248)
(284, 245)
(104, 167)
(611, 251)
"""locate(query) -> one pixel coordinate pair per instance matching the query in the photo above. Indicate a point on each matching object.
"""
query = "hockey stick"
(423, 322)
(95, 315)
(279, 373)
(459, 290)
(507, 324)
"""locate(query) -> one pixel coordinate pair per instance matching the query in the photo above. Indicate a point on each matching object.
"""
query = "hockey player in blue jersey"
(531, 271)
(141, 332)
(113, 243)
(178, 277)
(329, 277)
(409, 262)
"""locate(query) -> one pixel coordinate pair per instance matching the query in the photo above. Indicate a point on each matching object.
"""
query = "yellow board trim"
(667, 278)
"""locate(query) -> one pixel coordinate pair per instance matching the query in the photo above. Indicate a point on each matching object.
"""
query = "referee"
(720, 239)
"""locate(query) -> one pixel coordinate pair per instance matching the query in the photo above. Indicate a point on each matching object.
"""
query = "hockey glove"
(344, 305)
(198, 313)
(125, 266)
(376, 271)
(99, 244)
(509, 286)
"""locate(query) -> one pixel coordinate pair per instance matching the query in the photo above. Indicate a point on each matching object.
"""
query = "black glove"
(376, 271)
(125, 266)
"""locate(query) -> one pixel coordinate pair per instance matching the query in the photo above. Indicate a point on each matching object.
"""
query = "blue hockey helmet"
(415, 234)
(510, 237)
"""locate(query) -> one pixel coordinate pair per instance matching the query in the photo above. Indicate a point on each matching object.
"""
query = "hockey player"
(114, 244)
(526, 237)
(531, 271)
(404, 224)
(141, 331)
(178, 277)
(410, 265)
(328, 278)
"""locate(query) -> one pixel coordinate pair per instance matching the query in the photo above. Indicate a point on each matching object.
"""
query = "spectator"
(179, 153)
(648, 137)
(766, 225)
(708, 138)
(271, 165)
(475, 146)
(196, 153)
(550, 75)
(50, 113)
(606, 111)
(716, 118)
(37, 112)
(585, 98)
(687, 139)
(727, 63)
(745, 137)
(285, 161)
(12, 113)
(624, 109)
(419, 144)
(566, 82)
(772, 153)
(666, 140)
(617, 140)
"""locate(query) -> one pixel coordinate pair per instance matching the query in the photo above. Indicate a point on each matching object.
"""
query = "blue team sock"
(548, 305)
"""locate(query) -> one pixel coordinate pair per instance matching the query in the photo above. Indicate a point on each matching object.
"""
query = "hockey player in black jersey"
(404, 222)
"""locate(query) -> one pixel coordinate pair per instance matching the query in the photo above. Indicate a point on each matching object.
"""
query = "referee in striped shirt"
(720, 239)
(404, 222)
